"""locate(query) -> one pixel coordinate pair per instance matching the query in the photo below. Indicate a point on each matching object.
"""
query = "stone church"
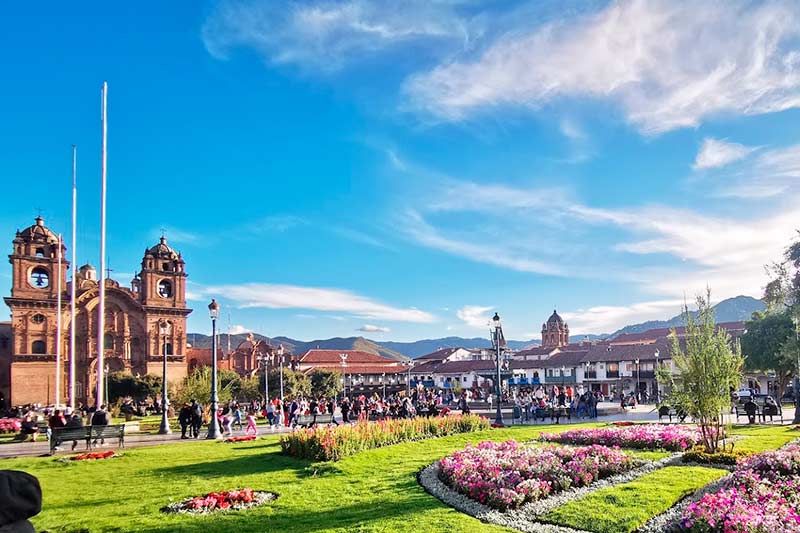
(142, 323)
(555, 332)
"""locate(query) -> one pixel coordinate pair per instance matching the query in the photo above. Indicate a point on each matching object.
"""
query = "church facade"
(143, 322)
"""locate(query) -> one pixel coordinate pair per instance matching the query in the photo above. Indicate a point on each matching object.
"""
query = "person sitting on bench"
(751, 408)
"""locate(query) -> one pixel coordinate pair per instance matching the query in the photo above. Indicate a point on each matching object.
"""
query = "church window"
(38, 319)
(166, 267)
(3, 343)
(39, 278)
(39, 347)
(108, 341)
(40, 252)
(165, 288)
(167, 348)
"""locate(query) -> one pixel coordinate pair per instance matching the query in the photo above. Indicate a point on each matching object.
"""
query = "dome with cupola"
(38, 233)
(162, 250)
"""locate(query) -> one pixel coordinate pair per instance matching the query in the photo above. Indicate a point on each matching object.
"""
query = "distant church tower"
(555, 332)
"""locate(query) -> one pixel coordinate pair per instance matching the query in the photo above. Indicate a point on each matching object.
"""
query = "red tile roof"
(440, 354)
(651, 335)
(319, 357)
(358, 368)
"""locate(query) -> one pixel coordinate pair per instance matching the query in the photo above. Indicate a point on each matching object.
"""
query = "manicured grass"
(626, 507)
(757, 439)
(374, 490)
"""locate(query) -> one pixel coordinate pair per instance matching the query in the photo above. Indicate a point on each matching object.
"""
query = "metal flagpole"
(101, 311)
(71, 386)
(58, 326)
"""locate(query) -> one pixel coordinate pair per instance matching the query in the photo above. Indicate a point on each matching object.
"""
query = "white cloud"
(474, 316)
(773, 173)
(370, 328)
(175, 235)
(609, 318)
(328, 35)
(668, 64)
(272, 296)
(238, 329)
(572, 130)
(715, 153)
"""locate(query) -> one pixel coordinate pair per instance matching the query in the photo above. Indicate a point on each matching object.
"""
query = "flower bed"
(10, 425)
(334, 443)
(506, 475)
(243, 438)
(763, 496)
(227, 500)
(641, 436)
(92, 456)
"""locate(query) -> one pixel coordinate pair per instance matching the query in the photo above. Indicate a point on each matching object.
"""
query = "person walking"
(237, 416)
(251, 424)
(185, 419)
(197, 418)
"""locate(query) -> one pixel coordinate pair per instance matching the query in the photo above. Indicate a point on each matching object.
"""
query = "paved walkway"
(608, 413)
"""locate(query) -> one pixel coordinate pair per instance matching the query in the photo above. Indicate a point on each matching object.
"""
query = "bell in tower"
(162, 281)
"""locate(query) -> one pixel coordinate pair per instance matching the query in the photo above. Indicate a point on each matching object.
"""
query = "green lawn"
(375, 490)
(626, 507)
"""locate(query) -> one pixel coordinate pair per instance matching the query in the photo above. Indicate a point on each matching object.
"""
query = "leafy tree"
(783, 291)
(197, 385)
(294, 383)
(768, 345)
(124, 384)
(249, 389)
(708, 368)
(327, 383)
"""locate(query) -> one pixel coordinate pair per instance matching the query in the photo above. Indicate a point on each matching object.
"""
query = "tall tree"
(767, 345)
(709, 366)
(327, 383)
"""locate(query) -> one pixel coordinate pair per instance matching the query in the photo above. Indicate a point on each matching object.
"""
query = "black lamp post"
(164, 429)
(796, 376)
(343, 357)
(383, 381)
(658, 392)
(638, 384)
(410, 365)
(496, 340)
(213, 426)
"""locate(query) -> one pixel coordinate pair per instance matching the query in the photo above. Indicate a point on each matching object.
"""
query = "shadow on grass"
(246, 465)
(325, 516)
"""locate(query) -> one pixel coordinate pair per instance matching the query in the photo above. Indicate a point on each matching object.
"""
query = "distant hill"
(300, 347)
(735, 309)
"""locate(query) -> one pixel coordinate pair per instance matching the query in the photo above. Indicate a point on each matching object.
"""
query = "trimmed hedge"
(334, 443)
(699, 455)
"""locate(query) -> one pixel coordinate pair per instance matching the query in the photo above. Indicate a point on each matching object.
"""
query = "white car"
(743, 395)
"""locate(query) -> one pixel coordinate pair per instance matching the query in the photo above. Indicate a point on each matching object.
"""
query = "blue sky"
(403, 169)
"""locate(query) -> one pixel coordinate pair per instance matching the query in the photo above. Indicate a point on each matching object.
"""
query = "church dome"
(162, 250)
(38, 233)
(555, 319)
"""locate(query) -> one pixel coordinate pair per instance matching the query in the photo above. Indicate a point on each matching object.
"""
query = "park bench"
(88, 434)
(307, 421)
(762, 412)
(669, 411)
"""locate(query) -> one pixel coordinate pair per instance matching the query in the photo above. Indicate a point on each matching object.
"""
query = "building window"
(166, 267)
(38, 318)
(165, 288)
(40, 252)
(3, 343)
(108, 341)
(39, 347)
(167, 349)
(40, 278)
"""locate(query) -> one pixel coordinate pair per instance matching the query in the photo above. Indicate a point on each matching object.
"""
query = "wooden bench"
(762, 412)
(669, 411)
(116, 431)
(61, 435)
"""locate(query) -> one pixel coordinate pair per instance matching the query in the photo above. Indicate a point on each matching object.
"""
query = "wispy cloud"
(668, 64)
(238, 329)
(177, 235)
(270, 296)
(328, 35)
(609, 318)
(715, 153)
(475, 316)
(359, 237)
(370, 328)
(277, 223)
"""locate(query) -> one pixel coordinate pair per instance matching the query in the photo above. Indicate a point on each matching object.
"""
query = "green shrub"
(699, 454)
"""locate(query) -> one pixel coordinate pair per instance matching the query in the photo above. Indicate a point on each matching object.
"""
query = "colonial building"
(142, 323)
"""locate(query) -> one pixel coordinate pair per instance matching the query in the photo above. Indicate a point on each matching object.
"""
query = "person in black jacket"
(197, 418)
(185, 419)
(20, 499)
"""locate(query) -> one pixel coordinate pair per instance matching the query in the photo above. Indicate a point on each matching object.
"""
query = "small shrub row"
(699, 454)
(334, 443)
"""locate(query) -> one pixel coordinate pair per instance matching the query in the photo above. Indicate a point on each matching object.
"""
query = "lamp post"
(280, 355)
(343, 357)
(496, 336)
(383, 380)
(108, 396)
(797, 375)
(658, 391)
(410, 365)
(213, 426)
(164, 429)
(265, 360)
(638, 385)
(563, 376)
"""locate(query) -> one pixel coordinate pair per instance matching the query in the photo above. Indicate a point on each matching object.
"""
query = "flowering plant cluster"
(623, 423)
(762, 497)
(93, 456)
(10, 425)
(640, 436)
(333, 443)
(243, 438)
(506, 475)
(221, 501)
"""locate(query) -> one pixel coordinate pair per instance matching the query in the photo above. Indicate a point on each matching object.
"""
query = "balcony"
(647, 374)
(612, 374)
(590, 375)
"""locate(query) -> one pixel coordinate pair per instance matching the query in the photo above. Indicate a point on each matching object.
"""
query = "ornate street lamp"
(343, 357)
(797, 375)
(164, 429)
(383, 381)
(213, 426)
(410, 365)
(280, 355)
(658, 389)
(264, 359)
(638, 385)
(496, 341)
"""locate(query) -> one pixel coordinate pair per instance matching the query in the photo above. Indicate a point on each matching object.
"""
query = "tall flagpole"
(59, 288)
(101, 306)
(71, 385)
